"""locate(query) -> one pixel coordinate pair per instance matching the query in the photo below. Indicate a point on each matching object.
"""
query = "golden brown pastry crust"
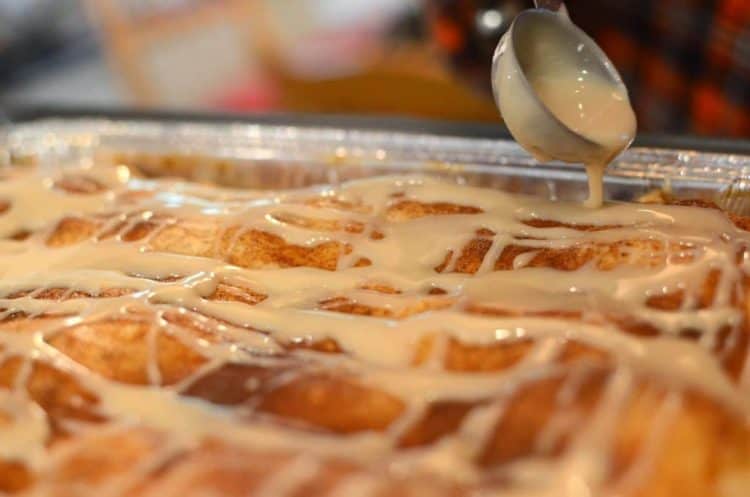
(664, 437)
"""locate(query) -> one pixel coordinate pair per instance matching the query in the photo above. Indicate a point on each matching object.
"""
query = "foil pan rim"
(79, 137)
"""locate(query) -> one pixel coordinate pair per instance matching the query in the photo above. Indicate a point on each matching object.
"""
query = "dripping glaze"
(560, 96)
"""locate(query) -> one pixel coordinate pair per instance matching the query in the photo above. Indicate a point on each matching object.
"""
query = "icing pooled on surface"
(394, 334)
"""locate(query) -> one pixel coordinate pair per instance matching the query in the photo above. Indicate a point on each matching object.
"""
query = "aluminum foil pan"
(278, 157)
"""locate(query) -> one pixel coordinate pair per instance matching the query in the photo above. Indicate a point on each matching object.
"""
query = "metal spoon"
(529, 119)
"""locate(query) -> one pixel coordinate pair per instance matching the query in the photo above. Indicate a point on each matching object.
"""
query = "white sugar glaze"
(688, 245)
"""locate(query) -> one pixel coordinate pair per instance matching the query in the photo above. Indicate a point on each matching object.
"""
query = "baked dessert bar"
(393, 336)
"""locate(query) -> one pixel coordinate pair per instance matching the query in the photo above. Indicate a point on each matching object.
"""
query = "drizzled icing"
(684, 247)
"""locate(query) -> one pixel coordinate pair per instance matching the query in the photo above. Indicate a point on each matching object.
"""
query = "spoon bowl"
(539, 53)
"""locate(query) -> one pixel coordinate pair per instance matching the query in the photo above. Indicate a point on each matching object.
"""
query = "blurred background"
(686, 62)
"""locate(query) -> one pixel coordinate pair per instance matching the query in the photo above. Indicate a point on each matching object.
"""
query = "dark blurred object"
(685, 62)
(36, 33)
(467, 32)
